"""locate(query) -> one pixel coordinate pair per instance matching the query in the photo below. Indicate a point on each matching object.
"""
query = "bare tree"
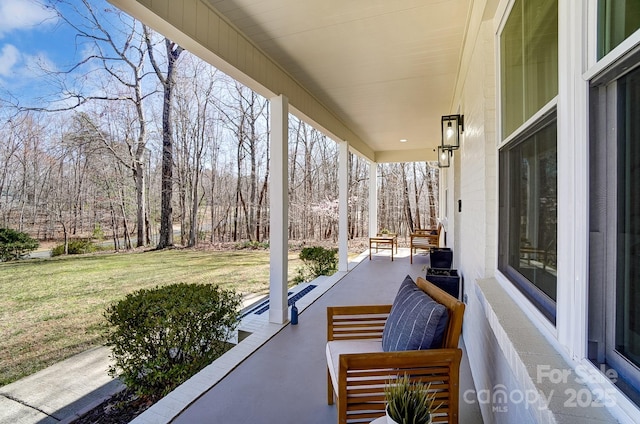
(213, 152)
(30, 184)
(417, 189)
(431, 175)
(10, 145)
(195, 129)
(168, 83)
(243, 115)
(117, 47)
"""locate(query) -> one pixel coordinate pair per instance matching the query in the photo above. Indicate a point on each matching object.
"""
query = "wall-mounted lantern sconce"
(452, 126)
(444, 157)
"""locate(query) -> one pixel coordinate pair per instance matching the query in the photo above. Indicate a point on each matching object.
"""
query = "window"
(528, 61)
(628, 232)
(617, 20)
(528, 215)
(528, 163)
(615, 226)
(614, 200)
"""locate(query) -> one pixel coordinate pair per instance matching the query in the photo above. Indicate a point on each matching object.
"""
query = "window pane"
(533, 210)
(617, 20)
(512, 71)
(628, 245)
(529, 61)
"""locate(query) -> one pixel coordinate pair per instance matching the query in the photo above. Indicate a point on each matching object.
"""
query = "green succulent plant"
(409, 402)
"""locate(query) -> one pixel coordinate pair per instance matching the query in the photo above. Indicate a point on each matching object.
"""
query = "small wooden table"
(390, 240)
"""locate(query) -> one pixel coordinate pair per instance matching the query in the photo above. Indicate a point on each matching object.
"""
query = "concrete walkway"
(60, 393)
(68, 389)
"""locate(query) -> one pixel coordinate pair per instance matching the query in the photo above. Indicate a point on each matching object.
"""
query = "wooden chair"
(362, 374)
(425, 239)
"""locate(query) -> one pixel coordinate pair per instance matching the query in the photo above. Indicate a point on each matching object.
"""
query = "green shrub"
(300, 276)
(318, 261)
(76, 247)
(14, 244)
(98, 233)
(163, 336)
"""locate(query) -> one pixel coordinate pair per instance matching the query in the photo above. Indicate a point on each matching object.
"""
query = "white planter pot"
(389, 419)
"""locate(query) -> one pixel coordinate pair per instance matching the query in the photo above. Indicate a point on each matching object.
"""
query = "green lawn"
(51, 309)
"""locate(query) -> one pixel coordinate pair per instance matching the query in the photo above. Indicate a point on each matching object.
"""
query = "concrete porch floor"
(284, 380)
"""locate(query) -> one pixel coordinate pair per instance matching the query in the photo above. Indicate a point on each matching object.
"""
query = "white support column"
(343, 204)
(373, 199)
(279, 210)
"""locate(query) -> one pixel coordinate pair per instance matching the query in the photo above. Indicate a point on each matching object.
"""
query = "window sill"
(554, 390)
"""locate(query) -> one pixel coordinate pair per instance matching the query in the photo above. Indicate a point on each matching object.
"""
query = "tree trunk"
(193, 230)
(66, 237)
(433, 212)
(125, 224)
(166, 207)
(141, 207)
(405, 197)
(168, 82)
(416, 194)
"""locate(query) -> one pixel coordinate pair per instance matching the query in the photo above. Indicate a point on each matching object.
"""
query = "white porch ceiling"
(371, 72)
(387, 68)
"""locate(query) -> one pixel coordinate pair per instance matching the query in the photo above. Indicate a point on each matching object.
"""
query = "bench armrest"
(356, 322)
(424, 238)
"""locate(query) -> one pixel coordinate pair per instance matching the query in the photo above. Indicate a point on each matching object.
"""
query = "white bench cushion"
(336, 348)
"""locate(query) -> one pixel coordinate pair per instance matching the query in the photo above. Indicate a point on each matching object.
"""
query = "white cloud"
(9, 56)
(19, 14)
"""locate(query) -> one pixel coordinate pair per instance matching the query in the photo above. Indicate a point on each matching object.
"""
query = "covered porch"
(278, 373)
(376, 77)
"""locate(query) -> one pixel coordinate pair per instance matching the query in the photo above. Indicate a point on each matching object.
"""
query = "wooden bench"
(425, 239)
(360, 376)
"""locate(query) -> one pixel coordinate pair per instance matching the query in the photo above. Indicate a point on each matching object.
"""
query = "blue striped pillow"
(416, 320)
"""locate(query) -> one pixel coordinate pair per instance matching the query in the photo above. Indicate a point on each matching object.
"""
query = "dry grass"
(51, 309)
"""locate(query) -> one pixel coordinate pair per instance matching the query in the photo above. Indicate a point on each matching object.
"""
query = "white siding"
(476, 224)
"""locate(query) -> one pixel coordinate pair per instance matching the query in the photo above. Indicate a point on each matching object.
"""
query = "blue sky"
(28, 33)
(31, 34)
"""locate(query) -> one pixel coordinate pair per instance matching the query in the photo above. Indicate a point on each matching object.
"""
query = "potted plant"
(385, 232)
(408, 402)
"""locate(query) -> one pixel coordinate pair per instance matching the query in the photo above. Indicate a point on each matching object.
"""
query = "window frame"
(543, 303)
(604, 37)
(544, 116)
(603, 201)
(513, 133)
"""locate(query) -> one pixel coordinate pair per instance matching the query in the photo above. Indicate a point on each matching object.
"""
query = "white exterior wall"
(476, 159)
(476, 228)
(508, 343)
(506, 349)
